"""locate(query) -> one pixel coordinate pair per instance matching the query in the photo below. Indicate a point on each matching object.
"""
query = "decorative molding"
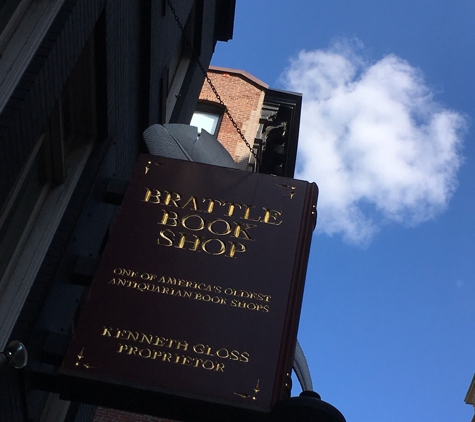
(23, 43)
(21, 272)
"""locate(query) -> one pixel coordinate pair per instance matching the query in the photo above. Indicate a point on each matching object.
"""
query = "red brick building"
(244, 95)
(268, 119)
(112, 415)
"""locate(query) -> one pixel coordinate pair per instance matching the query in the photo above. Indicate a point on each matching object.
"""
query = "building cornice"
(242, 73)
(21, 44)
(470, 397)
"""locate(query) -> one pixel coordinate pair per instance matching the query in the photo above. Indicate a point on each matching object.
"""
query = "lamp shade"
(308, 407)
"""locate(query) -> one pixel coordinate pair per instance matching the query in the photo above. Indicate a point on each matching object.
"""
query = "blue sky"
(387, 133)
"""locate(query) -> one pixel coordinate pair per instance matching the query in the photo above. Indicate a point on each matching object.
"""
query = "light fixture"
(308, 407)
(15, 354)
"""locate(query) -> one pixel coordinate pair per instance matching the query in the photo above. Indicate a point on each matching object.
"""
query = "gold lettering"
(173, 198)
(142, 286)
(208, 362)
(166, 357)
(169, 215)
(168, 235)
(227, 227)
(152, 198)
(107, 332)
(222, 247)
(247, 214)
(200, 226)
(240, 231)
(183, 345)
(147, 276)
(270, 217)
(121, 282)
(156, 353)
(249, 305)
(244, 357)
(121, 334)
(160, 341)
(183, 240)
(187, 360)
(192, 201)
(122, 347)
(236, 247)
(199, 348)
(145, 353)
(176, 358)
(132, 336)
(231, 206)
(222, 353)
(211, 203)
(146, 338)
(132, 350)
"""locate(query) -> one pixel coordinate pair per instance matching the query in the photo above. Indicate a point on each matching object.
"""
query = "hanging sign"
(194, 309)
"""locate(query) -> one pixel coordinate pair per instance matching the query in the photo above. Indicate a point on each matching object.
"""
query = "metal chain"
(210, 83)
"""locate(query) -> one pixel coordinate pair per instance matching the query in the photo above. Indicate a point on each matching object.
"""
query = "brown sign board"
(193, 312)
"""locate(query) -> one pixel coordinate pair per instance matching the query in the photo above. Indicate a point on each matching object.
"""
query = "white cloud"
(373, 138)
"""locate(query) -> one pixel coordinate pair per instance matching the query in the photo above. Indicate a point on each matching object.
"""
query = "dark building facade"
(470, 396)
(80, 80)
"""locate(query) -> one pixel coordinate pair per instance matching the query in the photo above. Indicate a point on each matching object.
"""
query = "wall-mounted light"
(308, 407)
(15, 354)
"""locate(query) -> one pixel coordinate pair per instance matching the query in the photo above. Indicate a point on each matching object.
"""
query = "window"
(69, 134)
(179, 65)
(23, 25)
(186, 54)
(11, 12)
(36, 205)
(208, 116)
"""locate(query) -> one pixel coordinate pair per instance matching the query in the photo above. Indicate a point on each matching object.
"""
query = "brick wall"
(243, 96)
(111, 415)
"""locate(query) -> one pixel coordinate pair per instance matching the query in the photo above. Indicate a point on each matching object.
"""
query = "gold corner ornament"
(80, 356)
(249, 396)
(148, 164)
(292, 190)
